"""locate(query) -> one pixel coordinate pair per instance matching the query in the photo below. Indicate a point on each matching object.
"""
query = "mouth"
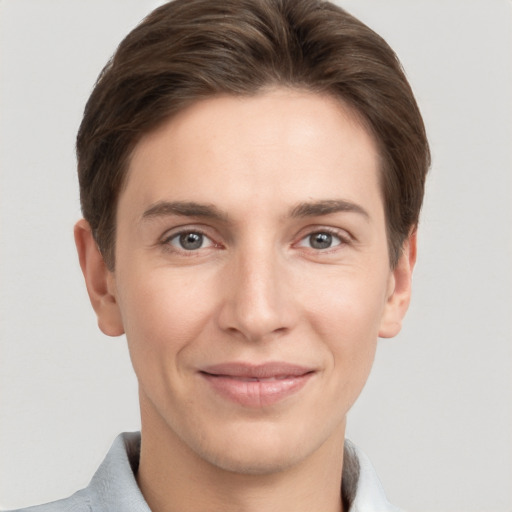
(256, 385)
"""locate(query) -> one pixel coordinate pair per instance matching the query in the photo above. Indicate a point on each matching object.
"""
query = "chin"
(256, 449)
(254, 461)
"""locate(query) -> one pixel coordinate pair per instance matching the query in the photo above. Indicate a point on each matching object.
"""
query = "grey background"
(435, 417)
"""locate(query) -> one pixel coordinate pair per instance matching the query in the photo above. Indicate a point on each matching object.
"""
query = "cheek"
(162, 314)
(348, 307)
(346, 315)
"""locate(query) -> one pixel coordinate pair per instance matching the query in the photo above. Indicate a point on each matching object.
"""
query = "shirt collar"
(115, 488)
(361, 484)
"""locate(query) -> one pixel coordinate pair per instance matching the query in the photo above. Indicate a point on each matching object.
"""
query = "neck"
(173, 478)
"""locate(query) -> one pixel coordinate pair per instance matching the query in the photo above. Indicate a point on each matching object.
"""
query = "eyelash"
(343, 237)
(166, 241)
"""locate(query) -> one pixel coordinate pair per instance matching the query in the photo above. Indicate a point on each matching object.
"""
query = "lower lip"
(256, 393)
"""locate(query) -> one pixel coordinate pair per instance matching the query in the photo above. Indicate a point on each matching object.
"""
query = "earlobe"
(99, 280)
(400, 290)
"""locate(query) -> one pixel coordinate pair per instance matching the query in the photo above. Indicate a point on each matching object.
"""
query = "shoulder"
(78, 502)
(113, 486)
(360, 484)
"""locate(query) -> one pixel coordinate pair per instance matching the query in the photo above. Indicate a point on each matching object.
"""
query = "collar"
(115, 488)
(360, 484)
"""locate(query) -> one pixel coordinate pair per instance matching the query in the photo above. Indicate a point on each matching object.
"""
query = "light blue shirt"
(114, 488)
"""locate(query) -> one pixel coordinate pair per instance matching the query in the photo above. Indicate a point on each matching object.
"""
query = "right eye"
(189, 241)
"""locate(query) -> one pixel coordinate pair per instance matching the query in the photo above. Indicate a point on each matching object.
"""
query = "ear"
(399, 294)
(99, 280)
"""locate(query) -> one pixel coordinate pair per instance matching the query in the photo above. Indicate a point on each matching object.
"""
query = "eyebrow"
(305, 209)
(185, 209)
(326, 207)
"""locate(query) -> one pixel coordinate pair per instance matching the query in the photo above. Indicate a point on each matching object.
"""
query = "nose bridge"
(257, 303)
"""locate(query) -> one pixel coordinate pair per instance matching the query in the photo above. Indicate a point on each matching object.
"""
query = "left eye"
(321, 240)
(190, 241)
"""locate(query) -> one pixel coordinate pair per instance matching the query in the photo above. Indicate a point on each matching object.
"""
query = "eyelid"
(344, 236)
(206, 241)
(172, 233)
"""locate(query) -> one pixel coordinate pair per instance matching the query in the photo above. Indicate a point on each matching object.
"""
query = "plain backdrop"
(435, 417)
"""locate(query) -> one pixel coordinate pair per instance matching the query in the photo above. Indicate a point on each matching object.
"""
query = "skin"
(258, 289)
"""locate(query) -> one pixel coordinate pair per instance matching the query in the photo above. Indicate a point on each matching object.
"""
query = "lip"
(256, 385)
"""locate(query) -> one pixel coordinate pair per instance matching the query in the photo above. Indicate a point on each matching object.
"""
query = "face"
(252, 277)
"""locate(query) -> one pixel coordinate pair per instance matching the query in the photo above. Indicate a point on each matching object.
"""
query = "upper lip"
(274, 369)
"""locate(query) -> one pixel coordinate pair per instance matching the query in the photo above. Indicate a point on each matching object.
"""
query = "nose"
(257, 299)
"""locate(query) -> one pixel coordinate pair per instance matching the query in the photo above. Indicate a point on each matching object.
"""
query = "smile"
(268, 379)
(256, 386)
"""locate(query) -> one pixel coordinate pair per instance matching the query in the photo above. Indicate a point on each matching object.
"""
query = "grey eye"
(320, 240)
(191, 241)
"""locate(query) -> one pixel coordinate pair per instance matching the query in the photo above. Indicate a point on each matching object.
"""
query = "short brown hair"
(188, 50)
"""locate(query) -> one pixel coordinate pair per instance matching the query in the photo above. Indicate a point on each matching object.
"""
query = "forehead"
(281, 145)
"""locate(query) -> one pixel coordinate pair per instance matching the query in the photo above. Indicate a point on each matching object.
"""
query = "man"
(251, 176)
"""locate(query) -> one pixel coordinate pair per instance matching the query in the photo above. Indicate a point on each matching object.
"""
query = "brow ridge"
(185, 209)
(304, 209)
(326, 207)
